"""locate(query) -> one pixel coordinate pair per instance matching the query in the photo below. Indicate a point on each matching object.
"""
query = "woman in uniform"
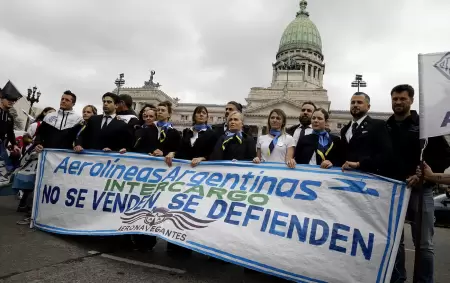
(277, 146)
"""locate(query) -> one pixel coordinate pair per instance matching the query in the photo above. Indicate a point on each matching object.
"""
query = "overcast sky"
(209, 50)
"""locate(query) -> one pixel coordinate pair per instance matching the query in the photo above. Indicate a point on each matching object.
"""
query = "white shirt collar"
(359, 120)
(112, 115)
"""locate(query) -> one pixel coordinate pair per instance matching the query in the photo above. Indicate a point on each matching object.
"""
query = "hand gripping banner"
(305, 224)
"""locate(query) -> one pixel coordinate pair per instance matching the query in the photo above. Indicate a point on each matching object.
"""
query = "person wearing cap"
(9, 96)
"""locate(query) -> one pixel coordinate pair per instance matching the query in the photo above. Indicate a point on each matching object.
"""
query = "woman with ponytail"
(198, 141)
(319, 148)
(277, 146)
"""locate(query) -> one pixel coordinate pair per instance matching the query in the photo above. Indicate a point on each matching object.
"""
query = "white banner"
(434, 91)
(305, 224)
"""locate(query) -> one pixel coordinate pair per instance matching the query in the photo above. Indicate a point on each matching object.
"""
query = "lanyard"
(320, 153)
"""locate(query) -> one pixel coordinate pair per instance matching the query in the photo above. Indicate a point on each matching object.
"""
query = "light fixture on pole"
(358, 82)
(33, 97)
(120, 82)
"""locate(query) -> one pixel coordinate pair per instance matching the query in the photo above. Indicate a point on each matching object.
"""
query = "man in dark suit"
(366, 142)
(304, 128)
(232, 106)
(105, 132)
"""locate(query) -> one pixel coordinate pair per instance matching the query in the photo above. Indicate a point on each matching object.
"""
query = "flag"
(434, 91)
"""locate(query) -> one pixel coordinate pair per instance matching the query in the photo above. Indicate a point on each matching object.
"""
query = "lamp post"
(288, 64)
(120, 82)
(32, 97)
(358, 82)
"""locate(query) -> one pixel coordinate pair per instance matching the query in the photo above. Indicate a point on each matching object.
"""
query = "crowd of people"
(388, 148)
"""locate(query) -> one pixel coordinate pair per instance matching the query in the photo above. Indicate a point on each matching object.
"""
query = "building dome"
(301, 33)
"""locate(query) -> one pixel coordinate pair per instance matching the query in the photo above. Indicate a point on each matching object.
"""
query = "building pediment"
(290, 107)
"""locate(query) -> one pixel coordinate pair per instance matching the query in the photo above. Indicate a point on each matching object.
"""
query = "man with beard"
(366, 143)
(304, 128)
(403, 128)
(232, 106)
(105, 132)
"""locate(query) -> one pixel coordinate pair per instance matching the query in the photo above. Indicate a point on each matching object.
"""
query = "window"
(211, 119)
(339, 125)
(134, 106)
(184, 118)
(309, 70)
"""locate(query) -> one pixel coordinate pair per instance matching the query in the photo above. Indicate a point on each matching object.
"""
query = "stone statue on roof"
(150, 83)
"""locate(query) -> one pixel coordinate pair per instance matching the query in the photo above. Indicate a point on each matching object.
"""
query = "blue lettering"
(108, 200)
(144, 174)
(62, 165)
(131, 173)
(141, 202)
(70, 197)
(119, 203)
(249, 214)
(194, 182)
(366, 248)
(292, 185)
(265, 220)
(266, 179)
(246, 178)
(135, 199)
(96, 169)
(276, 222)
(325, 232)
(222, 205)
(335, 236)
(302, 230)
(446, 120)
(233, 212)
(97, 199)
(178, 201)
(74, 166)
(190, 203)
(310, 194)
(214, 179)
(171, 176)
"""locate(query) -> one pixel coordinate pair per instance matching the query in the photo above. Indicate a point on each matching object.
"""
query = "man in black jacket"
(403, 127)
(106, 132)
(125, 111)
(9, 96)
(366, 143)
(304, 128)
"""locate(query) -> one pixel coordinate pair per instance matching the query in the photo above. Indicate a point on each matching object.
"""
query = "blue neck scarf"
(201, 127)
(229, 136)
(324, 139)
(276, 134)
(164, 127)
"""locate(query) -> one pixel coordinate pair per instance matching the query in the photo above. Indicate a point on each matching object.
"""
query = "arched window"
(309, 70)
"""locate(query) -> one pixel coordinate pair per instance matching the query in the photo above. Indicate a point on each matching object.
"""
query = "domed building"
(297, 76)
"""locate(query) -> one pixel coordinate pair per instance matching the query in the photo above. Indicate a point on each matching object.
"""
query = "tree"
(18, 123)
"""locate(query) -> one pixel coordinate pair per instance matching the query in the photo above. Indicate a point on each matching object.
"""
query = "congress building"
(297, 76)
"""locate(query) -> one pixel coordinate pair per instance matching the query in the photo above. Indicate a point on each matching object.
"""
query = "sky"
(211, 51)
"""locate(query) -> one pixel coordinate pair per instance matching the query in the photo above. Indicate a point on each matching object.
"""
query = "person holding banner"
(168, 137)
(146, 136)
(58, 129)
(105, 132)
(304, 128)
(319, 148)
(365, 141)
(403, 128)
(198, 141)
(277, 146)
(234, 145)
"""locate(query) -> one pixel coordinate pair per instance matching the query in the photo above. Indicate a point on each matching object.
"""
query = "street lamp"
(32, 97)
(120, 82)
(288, 64)
(358, 82)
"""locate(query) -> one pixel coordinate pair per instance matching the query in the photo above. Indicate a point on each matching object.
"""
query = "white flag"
(434, 88)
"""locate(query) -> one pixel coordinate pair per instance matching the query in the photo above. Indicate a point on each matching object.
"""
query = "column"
(259, 130)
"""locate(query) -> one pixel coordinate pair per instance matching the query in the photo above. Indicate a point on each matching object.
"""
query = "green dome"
(301, 33)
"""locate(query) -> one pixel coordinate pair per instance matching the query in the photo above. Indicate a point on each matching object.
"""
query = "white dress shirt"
(349, 133)
(297, 132)
(111, 117)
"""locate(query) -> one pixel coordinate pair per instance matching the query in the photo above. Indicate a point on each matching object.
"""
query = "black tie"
(302, 132)
(354, 126)
(106, 122)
